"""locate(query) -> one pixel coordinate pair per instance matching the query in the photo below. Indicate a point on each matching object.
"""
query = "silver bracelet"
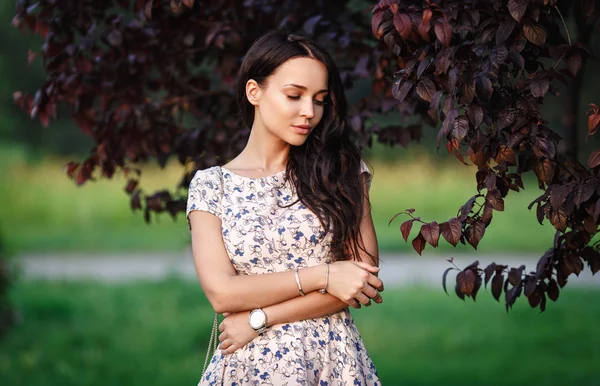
(298, 281)
(324, 290)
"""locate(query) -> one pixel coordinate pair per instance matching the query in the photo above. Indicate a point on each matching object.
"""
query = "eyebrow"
(304, 88)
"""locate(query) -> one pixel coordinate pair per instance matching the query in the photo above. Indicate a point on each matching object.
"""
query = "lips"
(302, 129)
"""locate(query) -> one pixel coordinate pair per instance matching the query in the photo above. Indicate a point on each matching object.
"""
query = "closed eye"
(297, 97)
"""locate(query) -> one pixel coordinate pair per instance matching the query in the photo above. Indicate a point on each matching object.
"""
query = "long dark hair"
(326, 169)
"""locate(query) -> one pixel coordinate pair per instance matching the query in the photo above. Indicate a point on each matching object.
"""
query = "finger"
(226, 314)
(363, 299)
(229, 350)
(375, 282)
(369, 267)
(225, 345)
(354, 304)
(378, 298)
(222, 337)
(370, 292)
(222, 326)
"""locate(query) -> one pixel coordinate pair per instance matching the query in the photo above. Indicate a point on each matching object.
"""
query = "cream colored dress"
(262, 236)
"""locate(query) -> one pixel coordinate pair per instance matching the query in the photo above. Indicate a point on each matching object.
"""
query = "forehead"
(304, 71)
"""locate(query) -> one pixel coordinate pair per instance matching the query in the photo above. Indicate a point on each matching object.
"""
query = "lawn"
(44, 212)
(155, 333)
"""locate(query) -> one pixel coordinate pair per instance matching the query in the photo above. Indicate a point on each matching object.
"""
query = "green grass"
(43, 211)
(82, 333)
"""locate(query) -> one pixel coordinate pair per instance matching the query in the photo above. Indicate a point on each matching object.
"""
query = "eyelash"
(294, 97)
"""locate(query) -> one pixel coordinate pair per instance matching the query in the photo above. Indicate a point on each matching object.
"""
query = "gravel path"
(396, 270)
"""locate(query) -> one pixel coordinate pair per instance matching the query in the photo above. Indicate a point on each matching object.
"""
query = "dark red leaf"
(403, 25)
(70, 169)
(553, 290)
(515, 276)
(131, 186)
(486, 217)
(458, 291)
(474, 233)
(517, 8)
(583, 191)
(590, 225)
(403, 90)
(574, 63)
(466, 282)
(535, 33)
(506, 155)
(376, 22)
(516, 59)
(461, 128)
(594, 159)
(495, 200)
(431, 233)
(466, 209)
(426, 89)
(511, 296)
(445, 277)
(405, 229)
(504, 31)
(558, 219)
(418, 243)
(497, 283)
(451, 230)
(559, 195)
(489, 270)
(136, 202)
(539, 87)
(475, 114)
(539, 213)
(544, 170)
(424, 31)
(544, 147)
(484, 88)
(443, 31)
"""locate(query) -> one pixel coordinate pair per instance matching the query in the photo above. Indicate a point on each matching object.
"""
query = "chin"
(297, 140)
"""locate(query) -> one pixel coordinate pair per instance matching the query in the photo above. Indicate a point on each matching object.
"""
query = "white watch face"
(257, 319)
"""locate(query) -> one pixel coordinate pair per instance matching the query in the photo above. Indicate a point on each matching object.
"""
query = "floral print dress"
(262, 235)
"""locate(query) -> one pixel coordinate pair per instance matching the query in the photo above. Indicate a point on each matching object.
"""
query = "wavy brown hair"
(326, 169)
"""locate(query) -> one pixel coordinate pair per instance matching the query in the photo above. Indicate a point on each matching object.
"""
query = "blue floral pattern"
(263, 233)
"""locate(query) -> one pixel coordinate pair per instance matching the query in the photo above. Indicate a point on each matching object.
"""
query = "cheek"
(281, 107)
(319, 111)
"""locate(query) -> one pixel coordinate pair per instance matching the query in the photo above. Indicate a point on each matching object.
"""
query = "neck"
(265, 151)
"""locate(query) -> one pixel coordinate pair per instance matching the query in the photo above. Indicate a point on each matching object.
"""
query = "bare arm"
(228, 292)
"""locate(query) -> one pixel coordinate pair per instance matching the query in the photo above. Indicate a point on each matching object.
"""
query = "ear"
(253, 92)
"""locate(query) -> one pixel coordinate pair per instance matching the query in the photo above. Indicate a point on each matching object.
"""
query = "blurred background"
(102, 298)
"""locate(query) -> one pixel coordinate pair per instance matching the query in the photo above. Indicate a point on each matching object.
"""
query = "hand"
(235, 332)
(354, 282)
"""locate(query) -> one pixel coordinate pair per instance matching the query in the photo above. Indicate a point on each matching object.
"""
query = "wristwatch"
(258, 320)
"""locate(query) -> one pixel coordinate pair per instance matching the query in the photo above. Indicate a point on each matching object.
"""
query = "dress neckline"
(252, 178)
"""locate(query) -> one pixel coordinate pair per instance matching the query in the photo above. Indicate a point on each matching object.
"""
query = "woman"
(282, 235)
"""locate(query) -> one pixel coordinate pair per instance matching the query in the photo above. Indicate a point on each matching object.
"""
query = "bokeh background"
(126, 329)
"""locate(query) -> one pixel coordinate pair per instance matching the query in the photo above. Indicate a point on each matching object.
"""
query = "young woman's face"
(290, 103)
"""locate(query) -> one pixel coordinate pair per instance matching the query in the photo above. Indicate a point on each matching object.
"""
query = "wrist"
(312, 278)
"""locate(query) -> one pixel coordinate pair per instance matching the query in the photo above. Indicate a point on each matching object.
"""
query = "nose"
(308, 110)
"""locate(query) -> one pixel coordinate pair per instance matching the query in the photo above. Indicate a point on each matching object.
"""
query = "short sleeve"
(205, 193)
(365, 169)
